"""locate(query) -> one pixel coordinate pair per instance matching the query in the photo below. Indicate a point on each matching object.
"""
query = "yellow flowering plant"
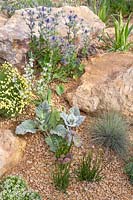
(14, 91)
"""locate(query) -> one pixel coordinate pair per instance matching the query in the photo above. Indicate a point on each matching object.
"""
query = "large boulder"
(14, 34)
(11, 149)
(106, 84)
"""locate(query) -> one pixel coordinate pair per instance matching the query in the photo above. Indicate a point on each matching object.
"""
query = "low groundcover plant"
(15, 188)
(14, 91)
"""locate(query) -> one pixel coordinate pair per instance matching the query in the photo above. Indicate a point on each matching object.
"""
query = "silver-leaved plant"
(59, 125)
(71, 120)
(39, 123)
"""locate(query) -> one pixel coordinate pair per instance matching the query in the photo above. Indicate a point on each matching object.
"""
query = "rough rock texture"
(3, 20)
(106, 84)
(11, 148)
(14, 34)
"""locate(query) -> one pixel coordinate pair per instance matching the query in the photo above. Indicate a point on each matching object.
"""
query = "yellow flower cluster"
(14, 91)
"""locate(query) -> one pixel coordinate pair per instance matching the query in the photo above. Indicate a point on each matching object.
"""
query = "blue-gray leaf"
(75, 110)
(60, 130)
(53, 142)
(77, 141)
(28, 126)
(72, 120)
(42, 110)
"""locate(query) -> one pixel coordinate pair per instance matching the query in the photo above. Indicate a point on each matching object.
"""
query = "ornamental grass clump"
(14, 91)
(110, 131)
(101, 8)
(61, 173)
(90, 168)
(122, 32)
(15, 188)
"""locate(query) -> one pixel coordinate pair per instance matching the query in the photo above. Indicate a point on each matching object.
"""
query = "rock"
(14, 36)
(11, 148)
(106, 84)
(3, 20)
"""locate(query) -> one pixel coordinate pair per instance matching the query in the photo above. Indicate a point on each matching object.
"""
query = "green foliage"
(58, 145)
(71, 120)
(56, 56)
(14, 91)
(37, 85)
(100, 8)
(103, 12)
(63, 148)
(60, 89)
(54, 142)
(122, 32)
(46, 119)
(61, 173)
(14, 188)
(58, 124)
(90, 168)
(110, 131)
(11, 6)
(44, 95)
(105, 8)
(47, 57)
(129, 170)
(125, 6)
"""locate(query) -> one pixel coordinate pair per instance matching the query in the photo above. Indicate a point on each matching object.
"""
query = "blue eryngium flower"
(43, 9)
(70, 17)
(86, 31)
(47, 20)
(53, 38)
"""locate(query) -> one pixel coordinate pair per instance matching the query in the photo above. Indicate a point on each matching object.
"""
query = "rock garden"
(66, 100)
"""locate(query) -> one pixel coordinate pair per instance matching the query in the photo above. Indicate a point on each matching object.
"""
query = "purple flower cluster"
(65, 160)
